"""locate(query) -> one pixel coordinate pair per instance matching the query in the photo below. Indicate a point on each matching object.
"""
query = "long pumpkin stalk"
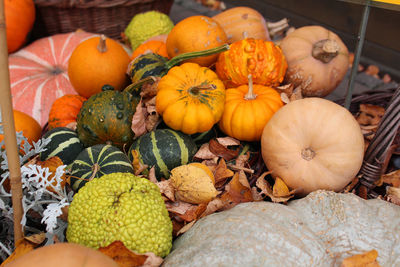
(185, 56)
(9, 129)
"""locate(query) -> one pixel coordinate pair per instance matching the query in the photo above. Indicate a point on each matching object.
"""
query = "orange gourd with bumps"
(96, 62)
(262, 59)
(64, 110)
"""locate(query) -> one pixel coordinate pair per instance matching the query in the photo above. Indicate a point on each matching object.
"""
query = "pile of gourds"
(227, 79)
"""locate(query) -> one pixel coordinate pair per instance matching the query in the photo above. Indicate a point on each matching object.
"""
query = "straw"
(9, 129)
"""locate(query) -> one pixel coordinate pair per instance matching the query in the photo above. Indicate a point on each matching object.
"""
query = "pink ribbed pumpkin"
(38, 73)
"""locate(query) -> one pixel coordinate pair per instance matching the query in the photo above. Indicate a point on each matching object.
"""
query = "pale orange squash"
(243, 22)
(312, 144)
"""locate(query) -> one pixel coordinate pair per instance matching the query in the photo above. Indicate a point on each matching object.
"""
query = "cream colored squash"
(313, 143)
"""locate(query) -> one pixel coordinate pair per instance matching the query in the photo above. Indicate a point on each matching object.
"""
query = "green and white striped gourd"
(64, 143)
(96, 161)
(164, 149)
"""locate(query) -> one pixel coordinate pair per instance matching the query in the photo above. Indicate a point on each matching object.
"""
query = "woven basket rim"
(91, 3)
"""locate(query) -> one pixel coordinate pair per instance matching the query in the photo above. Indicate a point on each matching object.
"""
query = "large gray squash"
(319, 230)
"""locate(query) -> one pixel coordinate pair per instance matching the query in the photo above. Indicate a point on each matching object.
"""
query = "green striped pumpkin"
(64, 143)
(164, 149)
(96, 161)
(152, 64)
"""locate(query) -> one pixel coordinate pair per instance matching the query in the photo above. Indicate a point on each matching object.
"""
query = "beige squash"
(313, 143)
(243, 22)
(317, 60)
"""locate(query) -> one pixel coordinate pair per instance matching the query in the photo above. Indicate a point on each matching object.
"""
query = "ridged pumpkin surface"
(65, 110)
(38, 73)
(164, 149)
(96, 161)
(262, 59)
(190, 98)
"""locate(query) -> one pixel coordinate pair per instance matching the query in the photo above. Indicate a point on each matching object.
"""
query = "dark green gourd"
(164, 149)
(96, 161)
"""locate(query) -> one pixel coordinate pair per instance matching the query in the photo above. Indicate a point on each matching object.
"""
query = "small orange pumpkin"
(190, 98)
(156, 47)
(262, 59)
(96, 62)
(196, 33)
(243, 22)
(20, 16)
(65, 110)
(248, 108)
(29, 126)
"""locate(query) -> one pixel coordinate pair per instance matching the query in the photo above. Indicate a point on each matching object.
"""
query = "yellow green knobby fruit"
(146, 25)
(124, 207)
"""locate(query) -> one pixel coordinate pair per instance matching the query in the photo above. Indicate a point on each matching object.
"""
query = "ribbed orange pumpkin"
(190, 98)
(247, 110)
(38, 73)
(96, 62)
(243, 22)
(262, 59)
(20, 16)
(65, 110)
(196, 33)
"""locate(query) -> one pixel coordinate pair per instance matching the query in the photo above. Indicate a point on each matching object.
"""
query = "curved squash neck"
(185, 56)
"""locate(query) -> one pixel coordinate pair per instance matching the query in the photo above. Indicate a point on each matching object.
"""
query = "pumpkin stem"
(325, 50)
(250, 94)
(179, 58)
(102, 44)
(95, 169)
(307, 153)
(195, 90)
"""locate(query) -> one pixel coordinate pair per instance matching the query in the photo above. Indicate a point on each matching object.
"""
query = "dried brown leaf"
(228, 141)
(257, 196)
(241, 160)
(221, 173)
(186, 227)
(152, 175)
(222, 151)
(152, 260)
(149, 89)
(370, 114)
(138, 120)
(392, 178)
(266, 188)
(367, 259)
(138, 167)
(204, 153)
(393, 195)
(25, 245)
(178, 207)
(122, 255)
(213, 206)
(296, 95)
(237, 191)
(280, 189)
(167, 189)
(286, 88)
(285, 98)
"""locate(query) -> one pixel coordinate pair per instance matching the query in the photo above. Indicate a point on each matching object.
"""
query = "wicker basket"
(385, 140)
(109, 17)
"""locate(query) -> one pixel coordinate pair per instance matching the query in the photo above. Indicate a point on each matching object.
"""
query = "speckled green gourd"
(106, 117)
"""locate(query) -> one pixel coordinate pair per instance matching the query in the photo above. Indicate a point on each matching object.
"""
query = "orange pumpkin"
(196, 33)
(38, 73)
(29, 126)
(96, 62)
(20, 16)
(190, 98)
(156, 47)
(248, 108)
(243, 22)
(262, 59)
(65, 110)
